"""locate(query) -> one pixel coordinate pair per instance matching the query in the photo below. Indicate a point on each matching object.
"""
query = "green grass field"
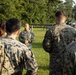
(41, 56)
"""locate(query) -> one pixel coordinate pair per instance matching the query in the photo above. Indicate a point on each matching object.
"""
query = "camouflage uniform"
(27, 35)
(19, 57)
(70, 59)
(55, 40)
(3, 35)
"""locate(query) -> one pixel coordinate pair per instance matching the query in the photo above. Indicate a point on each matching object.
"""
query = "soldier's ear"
(18, 32)
(64, 18)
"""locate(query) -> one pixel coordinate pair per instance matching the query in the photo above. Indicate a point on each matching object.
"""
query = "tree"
(32, 11)
(52, 7)
(10, 9)
(35, 11)
(74, 11)
(69, 8)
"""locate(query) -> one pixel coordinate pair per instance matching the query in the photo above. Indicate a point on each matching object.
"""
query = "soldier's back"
(4, 61)
(18, 56)
(57, 37)
(60, 36)
(13, 50)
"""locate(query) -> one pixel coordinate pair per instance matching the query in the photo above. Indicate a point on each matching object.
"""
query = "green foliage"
(69, 8)
(74, 12)
(2, 17)
(33, 11)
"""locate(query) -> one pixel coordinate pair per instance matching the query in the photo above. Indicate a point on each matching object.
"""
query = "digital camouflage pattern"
(27, 35)
(19, 57)
(70, 60)
(3, 66)
(1, 57)
(54, 42)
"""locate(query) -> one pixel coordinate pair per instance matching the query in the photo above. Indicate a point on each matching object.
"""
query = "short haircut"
(12, 25)
(26, 23)
(60, 14)
(2, 28)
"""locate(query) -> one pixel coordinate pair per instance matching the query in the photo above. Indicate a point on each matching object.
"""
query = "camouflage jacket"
(70, 60)
(19, 57)
(1, 57)
(55, 41)
(27, 35)
(58, 36)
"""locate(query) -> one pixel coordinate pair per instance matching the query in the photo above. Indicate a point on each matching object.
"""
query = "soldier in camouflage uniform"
(27, 36)
(55, 41)
(18, 54)
(70, 59)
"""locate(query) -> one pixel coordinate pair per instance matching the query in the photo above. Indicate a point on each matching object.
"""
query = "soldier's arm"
(30, 63)
(32, 37)
(73, 31)
(22, 37)
(47, 41)
(68, 65)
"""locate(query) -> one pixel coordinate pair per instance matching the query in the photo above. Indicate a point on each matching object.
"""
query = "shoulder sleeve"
(47, 41)
(30, 62)
(22, 37)
(32, 36)
(73, 31)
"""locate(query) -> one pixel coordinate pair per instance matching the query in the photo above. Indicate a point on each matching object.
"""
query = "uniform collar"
(11, 37)
(27, 31)
(61, 23)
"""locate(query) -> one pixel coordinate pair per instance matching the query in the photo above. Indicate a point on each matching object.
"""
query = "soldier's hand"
(26, 42)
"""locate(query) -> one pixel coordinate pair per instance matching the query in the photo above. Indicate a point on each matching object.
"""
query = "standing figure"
(27, 36)
(55, 41)
(16, 55)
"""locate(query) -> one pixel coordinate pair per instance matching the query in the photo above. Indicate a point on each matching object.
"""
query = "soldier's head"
(26, 27)
(12, 25)
(2, 29)
(60, 16)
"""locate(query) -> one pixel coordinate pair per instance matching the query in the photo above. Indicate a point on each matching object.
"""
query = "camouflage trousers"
(18, 73)
(27, 73)
(31, 73)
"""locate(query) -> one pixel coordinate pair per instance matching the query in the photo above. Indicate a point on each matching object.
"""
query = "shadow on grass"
(37, 45)
(43, 67)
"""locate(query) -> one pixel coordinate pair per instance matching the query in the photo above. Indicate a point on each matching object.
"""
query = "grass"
(41, 56)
